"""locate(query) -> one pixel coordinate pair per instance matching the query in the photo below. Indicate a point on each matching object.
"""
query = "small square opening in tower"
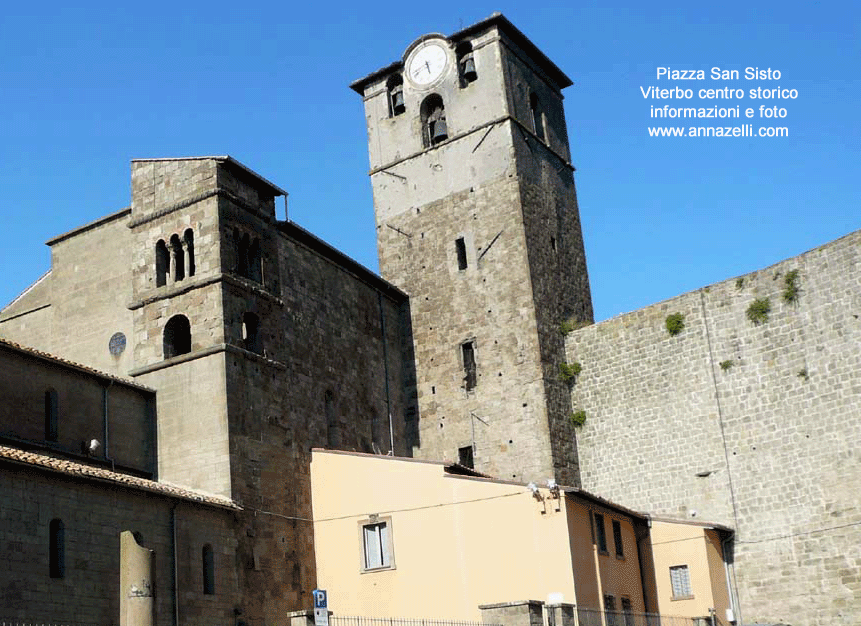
(460, 247)
(465, 457)
(469, 373)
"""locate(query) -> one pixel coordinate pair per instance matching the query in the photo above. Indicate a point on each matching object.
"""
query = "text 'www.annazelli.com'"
(727, 104)
(745, 130)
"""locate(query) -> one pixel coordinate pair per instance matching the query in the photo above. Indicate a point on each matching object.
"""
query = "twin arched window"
(249, 258)
(174, 260)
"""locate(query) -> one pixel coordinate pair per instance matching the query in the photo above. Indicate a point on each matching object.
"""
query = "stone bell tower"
(477, 221)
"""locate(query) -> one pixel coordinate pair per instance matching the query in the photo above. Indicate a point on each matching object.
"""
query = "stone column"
(186, 257)
(171, 274)
(136, 583)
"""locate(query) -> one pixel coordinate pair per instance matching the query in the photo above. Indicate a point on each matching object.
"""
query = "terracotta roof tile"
(74, 468)
(72, 364)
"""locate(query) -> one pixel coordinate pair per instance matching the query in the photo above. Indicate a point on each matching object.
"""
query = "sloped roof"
(11, 345)
(51, 463)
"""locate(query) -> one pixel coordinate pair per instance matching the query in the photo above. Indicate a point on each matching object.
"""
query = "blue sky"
(86, 88)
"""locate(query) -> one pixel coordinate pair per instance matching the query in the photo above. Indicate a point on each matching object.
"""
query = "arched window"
(162, 263)
(208, 569)
(333, 429)
(465, 64)
(434, 127)
(537, 115)
(51, 416)
(395, 89)
(56, 549)
(178, 257)
(188, 244)
(177, 336)
(251, 333)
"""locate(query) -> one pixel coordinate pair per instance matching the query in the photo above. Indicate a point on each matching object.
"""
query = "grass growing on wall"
(675, 324)
(758, 311)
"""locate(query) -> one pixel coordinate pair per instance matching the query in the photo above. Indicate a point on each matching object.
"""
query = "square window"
(376, 546)
(600, 533)
(681, 581)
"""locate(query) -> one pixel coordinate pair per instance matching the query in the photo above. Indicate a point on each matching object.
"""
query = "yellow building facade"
(401, 537)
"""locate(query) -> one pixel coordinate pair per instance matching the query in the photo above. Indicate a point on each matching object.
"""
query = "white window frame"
(379, 531)
(681, 582)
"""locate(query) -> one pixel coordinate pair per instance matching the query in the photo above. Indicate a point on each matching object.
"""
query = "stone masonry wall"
(80, 412)
(323, 336)
(559, 280)
(753, 426)
(93, 516)
(489, 303)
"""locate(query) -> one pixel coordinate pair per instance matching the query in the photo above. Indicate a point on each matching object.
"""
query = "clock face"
(427, 64)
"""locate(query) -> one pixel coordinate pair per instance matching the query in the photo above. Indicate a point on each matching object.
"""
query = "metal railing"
(594, 617)
(355, 620)
(39, 622)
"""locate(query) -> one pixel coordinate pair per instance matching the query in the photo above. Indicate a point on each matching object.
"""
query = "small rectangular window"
(617, 538)
(600, 533)
(469, 373)
(627, 612)
(57, 549)
(208, 569)
(681, 582)
(376, 545)
(610, 611)
(460, 246)
(465, 457)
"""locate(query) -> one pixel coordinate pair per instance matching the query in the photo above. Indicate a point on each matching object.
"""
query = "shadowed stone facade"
(290, 345)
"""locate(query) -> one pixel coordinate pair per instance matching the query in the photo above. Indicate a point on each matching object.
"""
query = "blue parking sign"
(320, 601)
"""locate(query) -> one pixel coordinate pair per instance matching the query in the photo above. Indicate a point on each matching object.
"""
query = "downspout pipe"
(105, 419)
(731, 590)
(386, 368)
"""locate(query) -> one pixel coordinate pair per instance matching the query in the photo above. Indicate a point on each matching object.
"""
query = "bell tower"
(477, 220)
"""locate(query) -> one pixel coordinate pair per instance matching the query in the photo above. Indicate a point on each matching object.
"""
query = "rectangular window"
(376, 545)
(617, 539)
(469, 374)
(627, 612)
(600, 533)
(465, 457)
(460, 246)
(681, 582)
(610, 611)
